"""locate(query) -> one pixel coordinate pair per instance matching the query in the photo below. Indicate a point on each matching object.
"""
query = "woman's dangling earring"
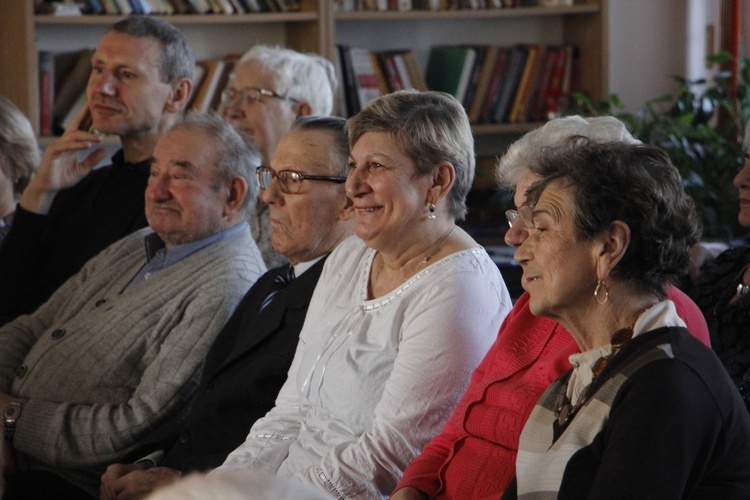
(431, 209)
(601, 286)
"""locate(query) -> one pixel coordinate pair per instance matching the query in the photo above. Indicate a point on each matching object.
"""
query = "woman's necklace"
(439, 246)
(565, 409)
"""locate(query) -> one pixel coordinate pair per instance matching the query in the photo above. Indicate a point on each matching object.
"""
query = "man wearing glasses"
(269, 89)
(248, 363)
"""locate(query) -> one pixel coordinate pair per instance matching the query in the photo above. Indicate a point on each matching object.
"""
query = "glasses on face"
(250, 95)
(290, 181)
(523, 214)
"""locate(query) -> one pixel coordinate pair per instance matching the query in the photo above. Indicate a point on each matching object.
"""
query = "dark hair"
(336, 126)
(177, 59)
(429, 127)
(633, 183)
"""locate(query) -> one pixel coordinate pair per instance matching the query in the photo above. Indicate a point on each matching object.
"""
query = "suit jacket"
(243, 372)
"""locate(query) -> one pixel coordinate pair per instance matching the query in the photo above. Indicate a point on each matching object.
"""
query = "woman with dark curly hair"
(647, 410)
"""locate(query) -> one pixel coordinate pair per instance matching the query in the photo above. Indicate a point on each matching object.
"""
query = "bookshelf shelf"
(318, 27)
(466, 13)
(186, 19)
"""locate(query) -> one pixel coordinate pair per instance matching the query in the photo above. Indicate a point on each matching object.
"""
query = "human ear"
(182, 89)
(236, 195)
(443, 178)
(303, 109)
(611, 247)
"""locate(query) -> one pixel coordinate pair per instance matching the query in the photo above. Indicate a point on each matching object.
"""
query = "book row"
(438, 5)
(167, 7)
(495, 84)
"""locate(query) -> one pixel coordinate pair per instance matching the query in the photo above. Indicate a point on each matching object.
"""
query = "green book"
(449, 68)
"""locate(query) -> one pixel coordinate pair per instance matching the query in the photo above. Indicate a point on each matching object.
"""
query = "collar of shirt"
(657, 316)
(304, 266)
(160, 257)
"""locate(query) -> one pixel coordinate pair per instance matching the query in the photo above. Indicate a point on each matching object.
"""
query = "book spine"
(46, 92)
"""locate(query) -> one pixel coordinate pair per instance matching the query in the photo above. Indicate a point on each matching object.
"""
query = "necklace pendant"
(564, 413)
(742, 290)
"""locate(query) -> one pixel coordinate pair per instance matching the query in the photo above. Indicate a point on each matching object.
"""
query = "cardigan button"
(184, 437)
(21, 371)
(58, 334)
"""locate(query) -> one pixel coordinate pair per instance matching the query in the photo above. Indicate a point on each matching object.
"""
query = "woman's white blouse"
(373, 380)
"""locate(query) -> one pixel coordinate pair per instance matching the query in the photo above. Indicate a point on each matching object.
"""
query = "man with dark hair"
(139, 85)
(249, 360)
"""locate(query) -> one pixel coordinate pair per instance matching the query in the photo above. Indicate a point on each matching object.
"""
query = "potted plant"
(701, 127)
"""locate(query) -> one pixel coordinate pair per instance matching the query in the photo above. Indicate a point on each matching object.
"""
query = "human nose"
(523, 251)
(232, 108)
(516, 234)
(356, 182)
(158, 188)
(272, 194)
(742, 179)
(105, 83)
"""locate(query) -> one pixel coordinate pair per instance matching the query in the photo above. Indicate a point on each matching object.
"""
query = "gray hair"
(177, 59)
(236, 155)
(336, 127)
(523, 154)
(19, 151)
(302, 76)
(633, 183)
(430, 127)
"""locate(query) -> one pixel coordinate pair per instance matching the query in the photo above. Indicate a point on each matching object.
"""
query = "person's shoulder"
(679, 355)
(738, 254)
(352, 249)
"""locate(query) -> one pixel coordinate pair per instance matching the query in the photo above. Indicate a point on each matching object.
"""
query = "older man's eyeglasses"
(250, 95)
(290, 181)
(524, 215)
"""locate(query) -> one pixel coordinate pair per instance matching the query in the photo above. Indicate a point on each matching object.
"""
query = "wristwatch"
(11, 412)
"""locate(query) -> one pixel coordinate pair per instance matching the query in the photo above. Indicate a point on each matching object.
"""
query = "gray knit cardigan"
(102, 368)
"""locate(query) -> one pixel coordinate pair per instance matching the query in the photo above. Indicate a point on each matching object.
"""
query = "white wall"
(651, 40)
(646, 48)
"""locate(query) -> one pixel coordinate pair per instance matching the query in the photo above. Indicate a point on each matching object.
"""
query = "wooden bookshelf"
(317, 28)
(582, 25)
(23, 33)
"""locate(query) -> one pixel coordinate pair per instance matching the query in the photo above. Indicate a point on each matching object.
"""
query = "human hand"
(133, 481)
(60, 167)
(408, 493)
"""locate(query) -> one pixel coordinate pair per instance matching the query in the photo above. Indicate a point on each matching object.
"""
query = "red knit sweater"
(474, 456)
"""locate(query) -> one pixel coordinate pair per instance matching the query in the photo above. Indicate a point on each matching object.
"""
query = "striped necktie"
(279, 282)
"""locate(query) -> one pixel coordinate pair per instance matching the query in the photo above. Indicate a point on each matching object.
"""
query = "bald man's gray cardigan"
(102, 368)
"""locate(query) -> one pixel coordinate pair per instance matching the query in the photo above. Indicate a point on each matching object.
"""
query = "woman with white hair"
(474, 456)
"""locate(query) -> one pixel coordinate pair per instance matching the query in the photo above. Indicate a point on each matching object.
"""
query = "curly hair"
(633, 183)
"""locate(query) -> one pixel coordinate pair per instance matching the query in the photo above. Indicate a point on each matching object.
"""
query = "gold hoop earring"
(601, 286)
